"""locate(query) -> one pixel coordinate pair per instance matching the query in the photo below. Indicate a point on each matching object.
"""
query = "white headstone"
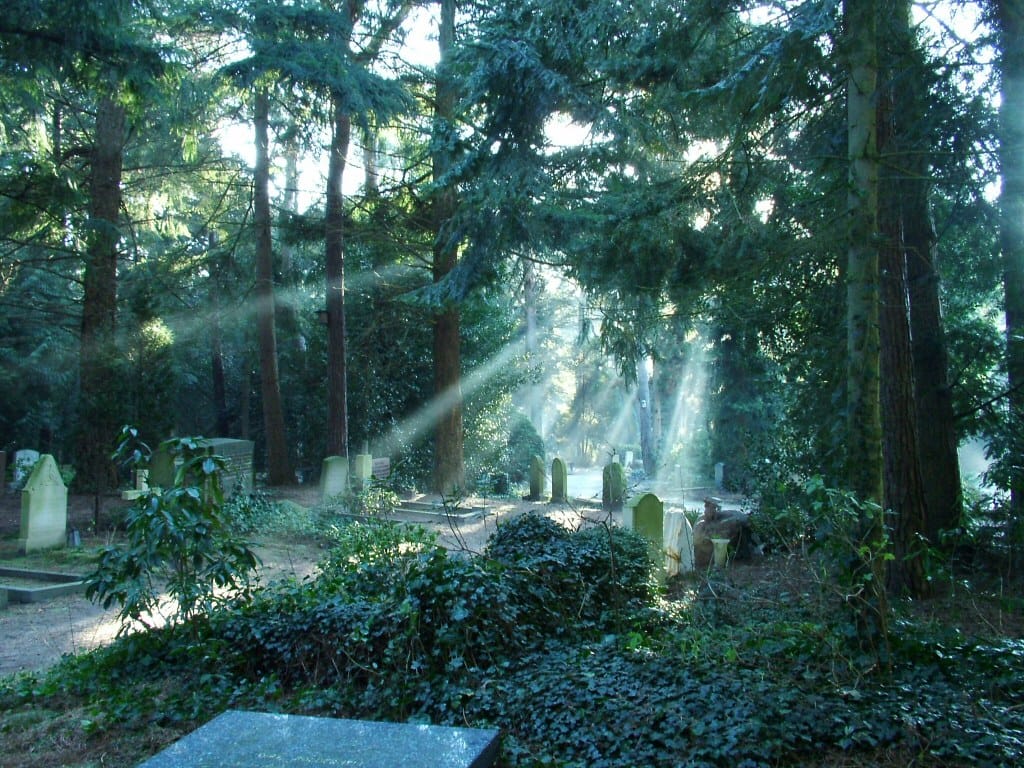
(333, 477)
(24, 460)
(678, 543)
(44, 508)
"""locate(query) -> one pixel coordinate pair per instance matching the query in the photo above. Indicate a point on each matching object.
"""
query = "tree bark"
(279, 471)
(644, 417)
(904, 491)
(1010, 14)
(864, 438)
(449, 469)
(334, 256)
(99, 385)
(936, 420)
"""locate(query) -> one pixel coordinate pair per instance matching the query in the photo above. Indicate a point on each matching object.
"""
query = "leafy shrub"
(523, 444)
(178, 540)
(591, 574)
(373, 500)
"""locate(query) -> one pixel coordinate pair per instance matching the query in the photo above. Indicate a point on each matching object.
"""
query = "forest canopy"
(784, 236)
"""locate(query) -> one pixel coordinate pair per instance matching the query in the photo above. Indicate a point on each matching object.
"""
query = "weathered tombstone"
(536, 478)
(646, 515)
(362, 470)
(24, 460)
(719, 475)
(333, 477)
(613, 486)
(628, 459)
(261, 740)
(161, 469)
(44, 508)
(3, 471)
(141, 486)
(678, 535)
(237, 455)
(559, 481)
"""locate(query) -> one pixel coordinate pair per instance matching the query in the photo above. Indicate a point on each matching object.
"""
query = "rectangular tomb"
(259, 740)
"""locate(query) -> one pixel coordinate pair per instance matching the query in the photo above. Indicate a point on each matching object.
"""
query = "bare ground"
(34, 636)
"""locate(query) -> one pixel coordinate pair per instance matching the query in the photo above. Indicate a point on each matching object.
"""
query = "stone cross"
(44, 508)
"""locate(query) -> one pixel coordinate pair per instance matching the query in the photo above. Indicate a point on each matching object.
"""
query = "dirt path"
(34, 636)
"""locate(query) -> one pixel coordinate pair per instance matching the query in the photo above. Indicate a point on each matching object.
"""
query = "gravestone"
(24, 460)
(646, 515)
(719, 475)
(559, 481)
(678, 537)
(333, 477)
(141, 486)
(44, 508)
(237, 455)
(613, 486)
(161, 469)
(258, 740)
(3, 471)
(362, 470)
(536, 478)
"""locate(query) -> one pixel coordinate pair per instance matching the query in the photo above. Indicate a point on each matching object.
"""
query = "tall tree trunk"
(864, 431)
(99, 385)
(864, 425)
(279, 471)
(531, 291)
(449, 470)
(1011, 209)
(936, 421)
(222, 416)
(904, 491)
(334, 255)
(644, 417)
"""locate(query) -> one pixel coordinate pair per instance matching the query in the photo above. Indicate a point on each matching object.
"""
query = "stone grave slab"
(23, 585)
(362, 470)
(537, 477)
(678, 543)
(237, 455)
(259, 740)
(559, 481)
(646, 515)
(333, 477)
(44, 508)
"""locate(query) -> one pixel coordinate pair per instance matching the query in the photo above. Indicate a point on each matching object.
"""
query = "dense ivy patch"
(560, 639)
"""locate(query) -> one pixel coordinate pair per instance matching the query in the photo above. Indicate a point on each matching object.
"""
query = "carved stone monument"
(44, 508)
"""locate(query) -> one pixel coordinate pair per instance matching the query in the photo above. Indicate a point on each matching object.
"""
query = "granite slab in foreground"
(260, 740)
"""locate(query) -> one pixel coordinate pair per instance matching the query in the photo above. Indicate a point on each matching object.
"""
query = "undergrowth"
(565, 642)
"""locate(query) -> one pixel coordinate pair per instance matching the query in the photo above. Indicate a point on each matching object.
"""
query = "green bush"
(178, 540)
(592, 575)
(523, 444)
